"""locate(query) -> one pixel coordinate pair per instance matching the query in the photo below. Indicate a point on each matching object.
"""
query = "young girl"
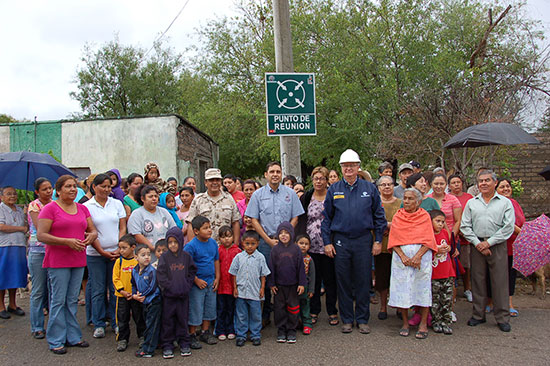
(186, 196)
(152, 178)
(304, 243)
(168, 201)
(225, 300)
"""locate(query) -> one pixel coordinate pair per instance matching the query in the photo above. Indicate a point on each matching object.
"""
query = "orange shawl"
(412, 228)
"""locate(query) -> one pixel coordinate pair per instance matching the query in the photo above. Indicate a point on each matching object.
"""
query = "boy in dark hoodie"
(287, 281)
(175, 275)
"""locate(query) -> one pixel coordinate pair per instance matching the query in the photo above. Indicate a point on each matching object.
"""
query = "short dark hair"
(161, 243)
(290, 178)
(187, 178)
(139, 247)
(271, 163)
(187, 189)
(128, 238)
(230, 176)
(249, 181)
(225, 229)
(251, 234)
(302, 236)
(133, 176)
(100, 178)
(504, 179)
(435, 213)
(38, 182)
(198, 222)
(143, 192)
(452, 176)
(441, 175)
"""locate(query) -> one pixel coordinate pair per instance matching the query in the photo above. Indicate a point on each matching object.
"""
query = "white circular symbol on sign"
(291, 94)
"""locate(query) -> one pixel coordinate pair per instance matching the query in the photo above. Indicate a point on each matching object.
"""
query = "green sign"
(290, 104)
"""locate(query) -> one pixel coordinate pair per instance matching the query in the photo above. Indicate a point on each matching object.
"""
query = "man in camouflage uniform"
(216, 205)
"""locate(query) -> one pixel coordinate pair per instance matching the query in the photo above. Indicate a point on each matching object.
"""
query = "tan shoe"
(347, 328)
(364, 328)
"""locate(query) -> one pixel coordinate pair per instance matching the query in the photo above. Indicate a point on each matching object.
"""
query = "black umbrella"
(20, 169)
(546, 173)
(491, 134)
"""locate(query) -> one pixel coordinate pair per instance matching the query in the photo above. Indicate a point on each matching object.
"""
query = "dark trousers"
(225, 308)
(152, 312)
(353, 263)
(175, 316)
(286, 310)
(324, 274)
(512, 275)
(496, 264)
(125, 309)
(305, 313)
(265, 249)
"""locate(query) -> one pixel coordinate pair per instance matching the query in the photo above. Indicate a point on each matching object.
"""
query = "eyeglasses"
(319, 179)
(385, 185)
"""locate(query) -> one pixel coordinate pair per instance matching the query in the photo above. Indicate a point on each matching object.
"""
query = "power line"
(168, 28)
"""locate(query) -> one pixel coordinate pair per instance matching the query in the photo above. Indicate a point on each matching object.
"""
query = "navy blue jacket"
(145, 283)
(353, 211)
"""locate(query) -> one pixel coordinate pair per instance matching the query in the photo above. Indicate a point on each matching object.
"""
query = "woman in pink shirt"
(66, 228)
(450, 205)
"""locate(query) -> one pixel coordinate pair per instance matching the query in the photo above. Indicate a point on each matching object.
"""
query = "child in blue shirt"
(146, 291)
(202, 297)
(250, 270)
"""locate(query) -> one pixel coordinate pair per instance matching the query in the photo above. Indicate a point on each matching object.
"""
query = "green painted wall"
(38, 137)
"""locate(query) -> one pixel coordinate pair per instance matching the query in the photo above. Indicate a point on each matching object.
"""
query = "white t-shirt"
(151, 225)
(106, 220)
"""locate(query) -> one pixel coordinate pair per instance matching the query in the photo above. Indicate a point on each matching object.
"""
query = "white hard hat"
(349, 156)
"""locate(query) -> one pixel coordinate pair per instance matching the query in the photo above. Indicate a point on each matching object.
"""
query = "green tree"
(6, 118)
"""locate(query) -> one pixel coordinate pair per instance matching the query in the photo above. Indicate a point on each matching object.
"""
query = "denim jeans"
(39, 292)
(100, 273)
(152, 312)
(265, 249)
(248, 316)
(62, 323)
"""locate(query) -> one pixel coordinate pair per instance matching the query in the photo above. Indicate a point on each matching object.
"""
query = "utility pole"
(290, 145)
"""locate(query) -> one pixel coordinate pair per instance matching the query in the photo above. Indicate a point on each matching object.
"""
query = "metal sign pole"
(290, 145)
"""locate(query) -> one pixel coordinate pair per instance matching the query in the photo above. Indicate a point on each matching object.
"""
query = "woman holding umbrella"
(13, 263)
(504, 187)
(66, 228)
(39, 275)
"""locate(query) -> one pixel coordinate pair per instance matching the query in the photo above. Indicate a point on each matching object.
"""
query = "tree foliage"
(395, 79)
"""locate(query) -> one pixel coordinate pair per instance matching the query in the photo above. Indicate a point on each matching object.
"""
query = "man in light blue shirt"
(487, 222)
(269, 206)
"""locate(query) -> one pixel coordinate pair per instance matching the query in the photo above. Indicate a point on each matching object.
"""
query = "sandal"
(314, 318)
(333, 320)
(513, 312)
(404, 332)
(421, 335)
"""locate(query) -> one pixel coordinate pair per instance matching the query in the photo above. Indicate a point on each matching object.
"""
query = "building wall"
(125, 144)
(4, 139)
(535, 199)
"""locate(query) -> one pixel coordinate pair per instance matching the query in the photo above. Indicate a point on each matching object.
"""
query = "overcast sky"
(42, 42)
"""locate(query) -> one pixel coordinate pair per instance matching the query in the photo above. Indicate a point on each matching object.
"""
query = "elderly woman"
(504, 187)
(150, 223)
(109, 218)
(412, 240)
(39, 276)
(67, 229)
(13, 242)
(418, 182)
(382, 261)
(310, 223)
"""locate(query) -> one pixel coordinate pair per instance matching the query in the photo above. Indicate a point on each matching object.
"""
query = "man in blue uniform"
(353, 213)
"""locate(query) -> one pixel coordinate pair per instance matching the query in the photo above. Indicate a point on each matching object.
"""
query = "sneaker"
(468, 295)
(195, 344)
(291, 339)
(307, 331)
(281, 339)
(222, 337)
(167, 353)
(142, 354)
(231, 336)
(240, 342)
(415, 320)
(256, 342)
(99, 332)
(186, 351)
(207, 338)
(453, 317)
(121, 345)
(437, 328)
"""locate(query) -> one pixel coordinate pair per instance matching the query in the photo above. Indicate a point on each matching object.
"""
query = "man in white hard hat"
(353, 211)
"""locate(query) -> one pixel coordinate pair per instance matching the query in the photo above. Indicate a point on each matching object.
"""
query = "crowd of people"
(192, 268)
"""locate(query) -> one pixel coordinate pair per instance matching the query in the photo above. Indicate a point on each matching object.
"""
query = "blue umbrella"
(20, 169)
